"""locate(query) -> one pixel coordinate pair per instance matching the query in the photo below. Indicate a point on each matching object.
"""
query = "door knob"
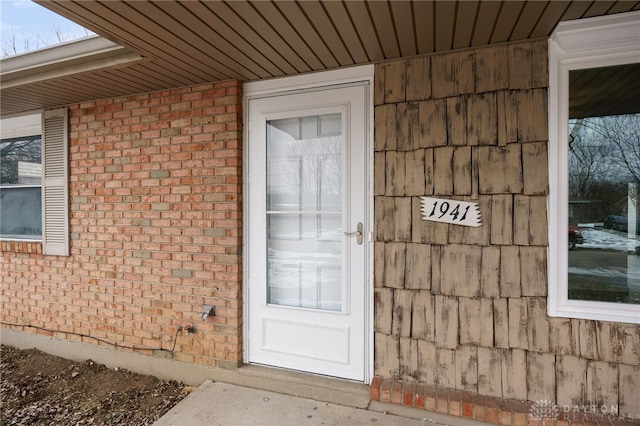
(357, 232)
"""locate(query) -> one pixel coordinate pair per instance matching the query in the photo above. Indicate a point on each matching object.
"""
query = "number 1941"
(450, 211)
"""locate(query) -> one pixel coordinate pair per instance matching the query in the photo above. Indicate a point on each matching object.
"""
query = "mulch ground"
(42, 389)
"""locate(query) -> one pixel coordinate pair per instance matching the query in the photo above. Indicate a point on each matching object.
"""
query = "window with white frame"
(34, 181)
(21, 179)
(594, 169)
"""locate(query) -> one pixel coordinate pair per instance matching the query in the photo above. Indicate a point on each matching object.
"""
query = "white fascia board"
(87, 54)
(308, 81)
(604, 33)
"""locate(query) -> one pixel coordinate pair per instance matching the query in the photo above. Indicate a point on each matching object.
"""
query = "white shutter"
(55, 183)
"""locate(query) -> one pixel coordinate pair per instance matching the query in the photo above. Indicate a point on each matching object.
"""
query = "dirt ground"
(42, 389)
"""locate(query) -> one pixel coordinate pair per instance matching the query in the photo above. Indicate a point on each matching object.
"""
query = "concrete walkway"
(218, 403)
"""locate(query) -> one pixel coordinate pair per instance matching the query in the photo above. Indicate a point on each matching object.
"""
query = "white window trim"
(587, 43)
(19, 126)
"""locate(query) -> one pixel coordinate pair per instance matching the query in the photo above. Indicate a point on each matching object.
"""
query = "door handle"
(357, 232)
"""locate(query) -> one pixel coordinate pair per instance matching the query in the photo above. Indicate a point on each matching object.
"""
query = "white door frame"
(296, 84)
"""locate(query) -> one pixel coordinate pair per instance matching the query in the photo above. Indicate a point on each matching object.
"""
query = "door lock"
(357, 232)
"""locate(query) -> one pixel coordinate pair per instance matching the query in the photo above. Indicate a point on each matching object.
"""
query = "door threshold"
(304, 385)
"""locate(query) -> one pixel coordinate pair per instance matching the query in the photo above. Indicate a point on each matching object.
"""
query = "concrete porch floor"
(255, 395)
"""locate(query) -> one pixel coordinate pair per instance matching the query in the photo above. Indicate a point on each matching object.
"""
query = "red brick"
(505, 418)
(385, 391)
(442, 401)
(480, 408)
(505, 411)
(408, 393)
(374, 389)
(430, 399)
(396, 392)
(520, 411)
(493, 410)
(455, 404)
(420, 395)
(519, 418)
(467, 405)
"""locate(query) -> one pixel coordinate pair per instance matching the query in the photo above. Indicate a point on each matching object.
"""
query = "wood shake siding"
(462, 311)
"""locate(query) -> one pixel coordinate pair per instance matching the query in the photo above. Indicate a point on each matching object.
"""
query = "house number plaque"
(451, 211)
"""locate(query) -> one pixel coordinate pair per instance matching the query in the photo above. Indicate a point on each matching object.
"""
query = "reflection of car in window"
(575, 237)
(619, 223)
(615, 222)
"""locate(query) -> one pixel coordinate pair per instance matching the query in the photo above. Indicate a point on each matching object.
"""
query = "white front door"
(307, 230)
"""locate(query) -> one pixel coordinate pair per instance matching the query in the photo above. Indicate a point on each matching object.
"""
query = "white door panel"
(290, 338)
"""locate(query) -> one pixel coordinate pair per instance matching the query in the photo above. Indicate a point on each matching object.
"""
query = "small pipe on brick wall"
(190, 329)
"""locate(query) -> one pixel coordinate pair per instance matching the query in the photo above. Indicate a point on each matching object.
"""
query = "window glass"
(304, 212)
(20, 188)
(603, 184)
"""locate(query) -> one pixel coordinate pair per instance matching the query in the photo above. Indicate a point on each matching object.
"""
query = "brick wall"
(463, 308)
(156, 229)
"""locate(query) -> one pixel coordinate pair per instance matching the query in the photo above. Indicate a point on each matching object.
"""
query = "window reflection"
(604, 184)
(20, 161)
(20, 188)
(304, 212)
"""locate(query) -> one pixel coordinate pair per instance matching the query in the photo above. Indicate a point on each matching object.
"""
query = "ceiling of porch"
(178, 43)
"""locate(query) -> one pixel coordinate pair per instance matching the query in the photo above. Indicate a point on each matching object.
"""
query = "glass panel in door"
(304, 212)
